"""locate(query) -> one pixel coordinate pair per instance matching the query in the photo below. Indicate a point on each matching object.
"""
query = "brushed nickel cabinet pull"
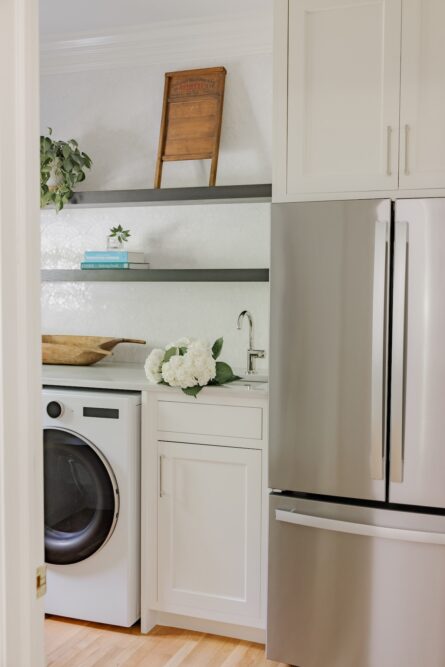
(388, 150)
(161, 493)
(406, 150)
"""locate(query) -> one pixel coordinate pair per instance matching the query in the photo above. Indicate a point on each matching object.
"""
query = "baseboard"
(204, 625)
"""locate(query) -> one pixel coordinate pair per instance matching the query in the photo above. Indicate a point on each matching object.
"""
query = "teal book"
(114, 265)
(113, 256)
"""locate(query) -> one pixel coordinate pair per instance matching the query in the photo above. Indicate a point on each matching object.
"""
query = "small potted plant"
(62, 166)
(117, 238)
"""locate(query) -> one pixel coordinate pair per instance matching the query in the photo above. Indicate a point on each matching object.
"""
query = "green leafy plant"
(62, 166)
(120, 234)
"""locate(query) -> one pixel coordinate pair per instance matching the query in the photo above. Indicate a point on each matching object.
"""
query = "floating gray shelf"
(224, 194)
(156, 275)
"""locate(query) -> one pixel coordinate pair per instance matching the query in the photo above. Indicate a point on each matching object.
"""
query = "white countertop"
(131, 377)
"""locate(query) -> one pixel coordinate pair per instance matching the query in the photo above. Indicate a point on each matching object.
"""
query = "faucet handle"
(257, 354)
(252, 356)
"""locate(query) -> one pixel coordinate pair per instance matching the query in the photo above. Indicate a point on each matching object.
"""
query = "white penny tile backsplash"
(188, 236)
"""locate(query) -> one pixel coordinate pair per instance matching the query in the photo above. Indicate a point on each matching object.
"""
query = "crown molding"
(223, 38)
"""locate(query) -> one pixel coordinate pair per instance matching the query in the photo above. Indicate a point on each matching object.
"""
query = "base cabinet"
(209, 530)
(204, 520)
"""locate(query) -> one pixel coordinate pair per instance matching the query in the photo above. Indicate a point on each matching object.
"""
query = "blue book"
(114, 265)
(113, 256)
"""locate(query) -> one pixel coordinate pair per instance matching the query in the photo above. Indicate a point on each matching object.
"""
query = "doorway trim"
(21, 476)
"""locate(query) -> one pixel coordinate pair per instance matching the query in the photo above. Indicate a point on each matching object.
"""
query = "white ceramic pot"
(55, 178)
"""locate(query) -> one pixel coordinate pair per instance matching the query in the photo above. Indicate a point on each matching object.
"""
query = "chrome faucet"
(252, 353)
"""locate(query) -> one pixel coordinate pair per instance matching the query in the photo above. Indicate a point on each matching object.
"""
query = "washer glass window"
(81, 498)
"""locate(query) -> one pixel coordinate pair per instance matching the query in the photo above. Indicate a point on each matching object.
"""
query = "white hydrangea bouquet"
(189, 364)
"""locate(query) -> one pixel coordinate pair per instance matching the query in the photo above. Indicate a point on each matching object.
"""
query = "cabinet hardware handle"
(401, 249)
(350, 528)
(161, 493)
(388, 150)
(406, 150)
(378, 348)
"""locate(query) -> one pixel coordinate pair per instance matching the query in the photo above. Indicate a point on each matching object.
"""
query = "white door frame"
(21, 483)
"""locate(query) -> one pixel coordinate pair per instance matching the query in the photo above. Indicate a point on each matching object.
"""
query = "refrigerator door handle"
(379, 301)
(398, 351)
(384, 532)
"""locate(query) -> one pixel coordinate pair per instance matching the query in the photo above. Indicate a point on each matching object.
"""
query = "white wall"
(115, 116)
(106, 91)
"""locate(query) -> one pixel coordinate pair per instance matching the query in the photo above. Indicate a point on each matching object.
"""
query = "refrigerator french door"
(357, 434)
(417, 471)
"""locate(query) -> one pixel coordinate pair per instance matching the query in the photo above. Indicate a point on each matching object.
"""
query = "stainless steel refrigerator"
(357, 434)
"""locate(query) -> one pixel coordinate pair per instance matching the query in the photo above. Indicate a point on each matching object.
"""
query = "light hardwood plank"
(81, 644)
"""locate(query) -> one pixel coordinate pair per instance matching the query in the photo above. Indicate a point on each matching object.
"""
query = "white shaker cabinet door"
(209, 531)
(343, 95)
(422, 112)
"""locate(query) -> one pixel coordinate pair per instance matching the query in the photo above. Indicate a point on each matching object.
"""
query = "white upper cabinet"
(359, 98)
(422, 110)
(343, 95)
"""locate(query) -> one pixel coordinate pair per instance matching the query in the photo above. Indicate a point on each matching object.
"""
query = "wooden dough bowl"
(79, 350)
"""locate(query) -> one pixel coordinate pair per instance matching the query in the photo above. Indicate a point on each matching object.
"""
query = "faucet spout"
(241, 316)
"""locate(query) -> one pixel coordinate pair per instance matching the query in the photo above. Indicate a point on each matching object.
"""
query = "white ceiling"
(60, 17)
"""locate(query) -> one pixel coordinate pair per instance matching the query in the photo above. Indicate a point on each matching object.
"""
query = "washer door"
(81, 498)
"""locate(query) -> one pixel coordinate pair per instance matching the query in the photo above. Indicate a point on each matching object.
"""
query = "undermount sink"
(249, 384)
(253, 377)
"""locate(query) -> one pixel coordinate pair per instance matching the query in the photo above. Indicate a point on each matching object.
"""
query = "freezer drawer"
(355, 587)
(329, 280)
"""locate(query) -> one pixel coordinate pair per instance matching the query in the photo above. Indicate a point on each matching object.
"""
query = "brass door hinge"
(41, 581)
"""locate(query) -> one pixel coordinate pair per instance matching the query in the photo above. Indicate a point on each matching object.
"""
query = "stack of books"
(114, 259)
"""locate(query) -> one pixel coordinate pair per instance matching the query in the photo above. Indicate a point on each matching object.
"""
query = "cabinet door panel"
(422, 112)
(209, 529)
(343, 95)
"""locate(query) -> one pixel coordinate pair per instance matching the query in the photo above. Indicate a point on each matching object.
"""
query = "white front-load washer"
(92, 504)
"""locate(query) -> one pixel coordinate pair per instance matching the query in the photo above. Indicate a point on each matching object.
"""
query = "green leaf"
(192, 391)
(224, 373)
(182, 351)
(169, 354)
(217, 347)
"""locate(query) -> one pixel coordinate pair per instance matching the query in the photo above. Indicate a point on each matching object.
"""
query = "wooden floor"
(81, 644)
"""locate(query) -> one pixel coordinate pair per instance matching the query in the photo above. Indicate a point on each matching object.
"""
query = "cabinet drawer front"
(214, 420)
